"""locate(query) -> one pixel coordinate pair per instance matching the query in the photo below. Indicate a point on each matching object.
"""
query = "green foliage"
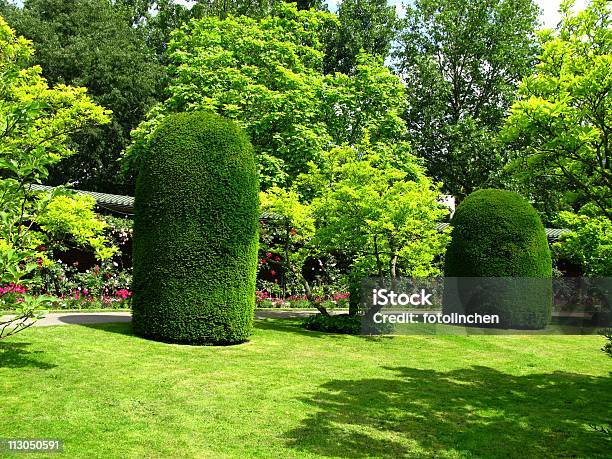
(372, 205)
(364, 26)
(588, 244)
(35, 124)
(462, 61)
(105, 285)
(563, 114)
(496, 233)
(195, 233)
(74, 217)
(292, 225)
(93, 43)
(158, 18)
(340, 323)
(223, 8)
(375, 205)
(607, 347)
(266, 74)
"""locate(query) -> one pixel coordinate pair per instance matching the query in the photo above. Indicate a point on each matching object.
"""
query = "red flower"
(273, 273)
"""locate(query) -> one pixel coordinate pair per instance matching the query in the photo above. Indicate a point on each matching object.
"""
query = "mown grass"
(293, 393)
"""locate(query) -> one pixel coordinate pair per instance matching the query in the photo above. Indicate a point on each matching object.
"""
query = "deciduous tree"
(36, 122)
(267, 74)
(562, 117)
(364, 25)
(94, 44)
(462, 61)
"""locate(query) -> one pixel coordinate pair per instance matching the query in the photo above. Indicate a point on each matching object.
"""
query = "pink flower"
(297, 297)
(123, 293)
(13, 288)
(260, 295)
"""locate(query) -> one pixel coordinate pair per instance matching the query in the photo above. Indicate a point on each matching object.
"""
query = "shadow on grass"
(123, 327)
(15, 355)
(473, 412)
(91, 319)
(112, 323)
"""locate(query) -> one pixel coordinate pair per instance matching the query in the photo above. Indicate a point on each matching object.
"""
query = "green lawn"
(289, 392)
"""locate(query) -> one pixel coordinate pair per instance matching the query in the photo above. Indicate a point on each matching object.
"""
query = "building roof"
(552, 234)
(112, 202)
(125, 205)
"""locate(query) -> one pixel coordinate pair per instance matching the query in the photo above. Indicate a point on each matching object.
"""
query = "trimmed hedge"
(498, 234)
(195, 233)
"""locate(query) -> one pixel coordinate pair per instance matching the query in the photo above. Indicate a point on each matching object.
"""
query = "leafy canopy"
(377, 206)
(563, 114)
(36, 122)
(94, 44)
(364, 26)
(560, 126)
(588, 244)
(462, 61)
(267, 75)
(371, 204)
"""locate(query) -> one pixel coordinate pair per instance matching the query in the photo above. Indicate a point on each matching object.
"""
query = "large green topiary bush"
(195, 233)
(498, 234)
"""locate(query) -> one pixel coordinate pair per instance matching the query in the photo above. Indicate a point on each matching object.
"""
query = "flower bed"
(266, 300)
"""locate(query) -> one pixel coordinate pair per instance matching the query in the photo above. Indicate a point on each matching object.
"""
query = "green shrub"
(607, 347)
(497, 234)
(340, 323)
(345, 324)
(195, 233)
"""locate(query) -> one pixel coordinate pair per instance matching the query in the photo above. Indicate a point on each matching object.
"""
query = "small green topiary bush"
(498, 234)
(195, 233)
